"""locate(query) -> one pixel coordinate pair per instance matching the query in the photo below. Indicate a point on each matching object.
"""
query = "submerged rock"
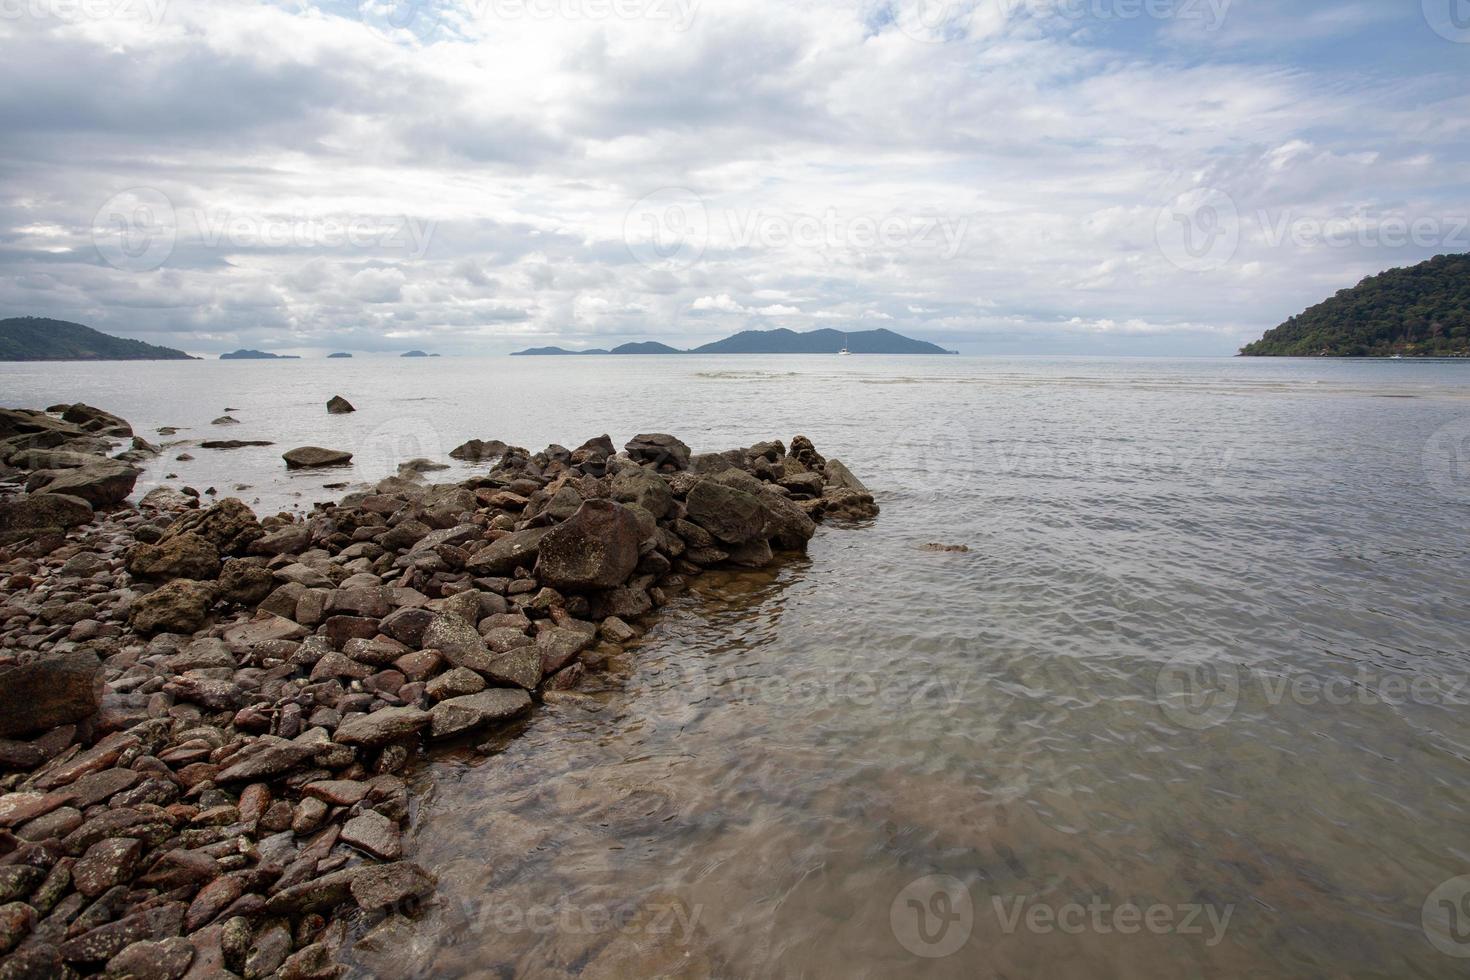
(477, 450)
(338, 405)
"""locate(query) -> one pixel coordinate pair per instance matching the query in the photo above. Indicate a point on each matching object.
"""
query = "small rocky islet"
(209, 715)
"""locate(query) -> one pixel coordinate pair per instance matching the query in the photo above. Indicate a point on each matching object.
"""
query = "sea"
(1187, 695)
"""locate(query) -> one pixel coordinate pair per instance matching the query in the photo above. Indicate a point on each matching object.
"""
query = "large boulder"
(731, 515)
(178, 607)
(593, 453)
(99, 484)
(852, 505)
(313, 457)
(54, 689)
(660, 449)
(51, 459)
(458, 642)
(96, 420)
(28, 515)
(229, 525)
(838, 475)
(339, 406)
(505, 555)
(596, 548)
(786, 523)
(186, 555)
(637, 485)
(28, 421)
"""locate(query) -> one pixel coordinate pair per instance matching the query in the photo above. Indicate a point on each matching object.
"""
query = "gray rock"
(391, 884)
(733, 516)
(338, 405)
(178, 607)
(597, 548)
(273, 757)
(99, 484)
(167, 959)
(381, 727)
(185, 555)
(374, 833)
(23, 516)
(660, 449)
(477, 450)
(457, 715)
(312, 457)
(519, 549)
(229, 525)
(838, 475)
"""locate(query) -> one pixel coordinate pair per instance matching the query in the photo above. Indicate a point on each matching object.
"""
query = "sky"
(1149, 177)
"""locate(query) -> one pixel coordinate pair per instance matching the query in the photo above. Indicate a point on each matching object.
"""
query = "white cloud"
(482, 181)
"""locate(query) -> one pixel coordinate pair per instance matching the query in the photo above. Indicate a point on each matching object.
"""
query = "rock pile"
(60, 455)
(218, 708)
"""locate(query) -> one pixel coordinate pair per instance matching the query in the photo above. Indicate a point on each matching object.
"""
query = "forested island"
(1418, 311)
(36, 338)
(781, 341)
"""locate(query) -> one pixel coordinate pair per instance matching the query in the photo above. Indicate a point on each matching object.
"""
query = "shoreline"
(210, 713)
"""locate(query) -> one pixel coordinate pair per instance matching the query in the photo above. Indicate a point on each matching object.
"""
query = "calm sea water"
(1194, 702)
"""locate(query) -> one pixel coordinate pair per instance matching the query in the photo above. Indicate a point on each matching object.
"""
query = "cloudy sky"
(477, 176)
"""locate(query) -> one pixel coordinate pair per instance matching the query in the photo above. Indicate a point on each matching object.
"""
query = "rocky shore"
(206, 715)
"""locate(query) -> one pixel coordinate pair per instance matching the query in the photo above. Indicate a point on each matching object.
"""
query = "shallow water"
(1206, 657)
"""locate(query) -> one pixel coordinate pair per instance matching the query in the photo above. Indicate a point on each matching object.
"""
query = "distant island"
(34, 338)
(245, 354)
(338, 354)
(1418, 311)
(781, 341)
(416, 353)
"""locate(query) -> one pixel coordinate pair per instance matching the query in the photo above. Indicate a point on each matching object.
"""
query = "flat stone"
(319, 895)
(311, 457)
(501, 557)
(381, 727)
(276, 756)
(105, 864)
(167, 959)
(51, 690)
(457, 715)
(455, 683)
(98, 786)
(338, 792)
(391, 884)
(521, 667)
(374, 833)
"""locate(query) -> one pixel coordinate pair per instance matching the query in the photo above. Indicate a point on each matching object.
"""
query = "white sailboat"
(844, 352)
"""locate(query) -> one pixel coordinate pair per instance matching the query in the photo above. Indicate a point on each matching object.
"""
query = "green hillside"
(32, 338)
(1419, 311)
